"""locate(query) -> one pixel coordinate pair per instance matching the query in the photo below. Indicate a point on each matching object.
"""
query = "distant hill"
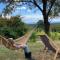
(31, 25)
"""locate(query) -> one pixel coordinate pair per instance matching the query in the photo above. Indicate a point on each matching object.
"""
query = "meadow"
(36, 48)
(6, 54)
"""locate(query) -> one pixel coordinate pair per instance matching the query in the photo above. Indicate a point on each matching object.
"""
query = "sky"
(2, 6)
(29, 16)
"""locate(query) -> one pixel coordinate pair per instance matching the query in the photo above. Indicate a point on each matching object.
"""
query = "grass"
(36, 49)
(6, 54)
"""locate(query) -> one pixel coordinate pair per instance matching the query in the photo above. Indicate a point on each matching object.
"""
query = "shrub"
(13, 28)
(55, 35)
(33, 37)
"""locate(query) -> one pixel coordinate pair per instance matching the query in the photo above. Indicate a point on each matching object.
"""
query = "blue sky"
(2, 6)
(29, 16)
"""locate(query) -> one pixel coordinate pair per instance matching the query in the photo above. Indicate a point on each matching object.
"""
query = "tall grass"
(55, 35)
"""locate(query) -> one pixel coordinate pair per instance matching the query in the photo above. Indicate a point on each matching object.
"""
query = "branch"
(23, 1)
(32, 3)
(37, 5)
(52, 3)
(5, 11)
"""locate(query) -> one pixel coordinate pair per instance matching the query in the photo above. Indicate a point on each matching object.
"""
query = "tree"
(45, 6)
(13, 27)
(40, 25)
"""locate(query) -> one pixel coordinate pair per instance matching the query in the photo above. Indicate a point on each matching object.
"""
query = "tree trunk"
(46, 24)
(45, 16)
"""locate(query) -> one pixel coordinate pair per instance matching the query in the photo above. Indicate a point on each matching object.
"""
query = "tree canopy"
(12, 28)
(12, 4)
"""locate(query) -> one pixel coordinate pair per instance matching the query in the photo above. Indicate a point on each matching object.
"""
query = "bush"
(55, 35)
(33, 37)
(13, 28)
(8, 32)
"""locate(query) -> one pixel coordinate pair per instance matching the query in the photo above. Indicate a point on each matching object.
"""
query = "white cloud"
(32, 18)
(18, 8)
(39, 17)
(8, 16)
(28, 10)
(55, 20)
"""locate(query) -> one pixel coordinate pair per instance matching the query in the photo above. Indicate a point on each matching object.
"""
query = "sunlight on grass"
(40, 33)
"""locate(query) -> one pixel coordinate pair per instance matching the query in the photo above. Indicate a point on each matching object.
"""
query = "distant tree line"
(40, 25)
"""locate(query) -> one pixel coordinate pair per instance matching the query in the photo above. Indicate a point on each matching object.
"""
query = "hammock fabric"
(50, 45)
(20, 41)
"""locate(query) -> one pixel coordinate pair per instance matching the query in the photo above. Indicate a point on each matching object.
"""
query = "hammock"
(19, 41)
(50, 44)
